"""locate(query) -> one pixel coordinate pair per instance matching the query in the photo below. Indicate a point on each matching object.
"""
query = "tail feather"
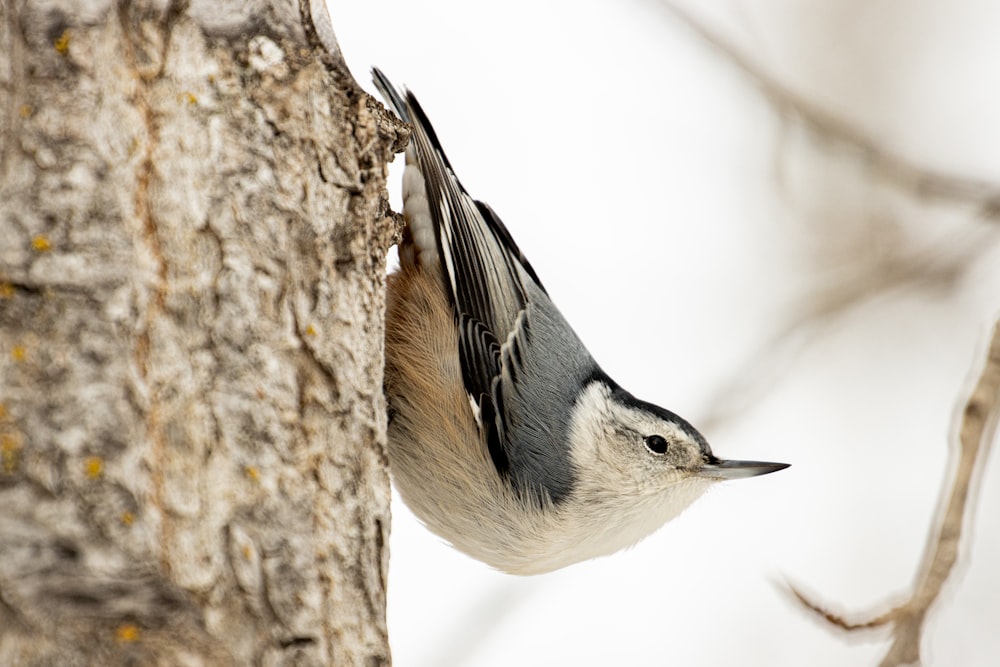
(513, 344)
(390, 94)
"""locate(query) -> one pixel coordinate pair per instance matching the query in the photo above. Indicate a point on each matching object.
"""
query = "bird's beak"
(719, 469)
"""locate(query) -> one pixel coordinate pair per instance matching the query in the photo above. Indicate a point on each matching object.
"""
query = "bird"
(505, 437)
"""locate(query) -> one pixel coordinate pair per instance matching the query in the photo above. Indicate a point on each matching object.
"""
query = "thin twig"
(838, 620)
(980, 416)
(975, 437)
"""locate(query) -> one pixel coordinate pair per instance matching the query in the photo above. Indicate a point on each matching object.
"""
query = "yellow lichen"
(41, 243)
(10, 452)
(62, 43)
(25, 111)
(6, 290)
(127, 518)
(252, 473)
(11, 462)
(310, 330)
(126, 633)
(93, 466)
(19, 352)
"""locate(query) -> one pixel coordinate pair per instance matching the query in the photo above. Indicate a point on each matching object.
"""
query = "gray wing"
(522, 364)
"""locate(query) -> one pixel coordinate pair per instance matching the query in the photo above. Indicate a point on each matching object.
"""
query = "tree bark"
(192, 431)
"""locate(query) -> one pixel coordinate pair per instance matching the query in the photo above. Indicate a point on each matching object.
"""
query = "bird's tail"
(420, 242)
(390, 94)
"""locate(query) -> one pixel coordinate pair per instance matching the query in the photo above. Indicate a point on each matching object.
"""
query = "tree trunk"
(192, 430)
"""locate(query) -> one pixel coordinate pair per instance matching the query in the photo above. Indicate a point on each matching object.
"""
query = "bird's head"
(641, 463)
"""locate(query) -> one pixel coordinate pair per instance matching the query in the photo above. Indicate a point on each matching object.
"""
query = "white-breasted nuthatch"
(505, 436)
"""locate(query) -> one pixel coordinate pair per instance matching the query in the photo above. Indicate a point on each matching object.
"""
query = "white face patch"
(588, 424)
(598, 418)
(625, 492)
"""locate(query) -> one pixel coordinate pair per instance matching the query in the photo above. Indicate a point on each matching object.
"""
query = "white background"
(681, 224)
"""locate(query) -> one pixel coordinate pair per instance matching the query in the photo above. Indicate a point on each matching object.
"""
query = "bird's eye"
(656, 444)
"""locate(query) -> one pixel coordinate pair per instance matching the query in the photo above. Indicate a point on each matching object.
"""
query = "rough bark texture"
(192, 240)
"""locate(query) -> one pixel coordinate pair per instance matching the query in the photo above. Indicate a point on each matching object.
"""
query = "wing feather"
(522, 365)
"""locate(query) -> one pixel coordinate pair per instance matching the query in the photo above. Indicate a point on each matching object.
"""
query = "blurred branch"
(976, 434)
(921, 181)
(897, 268)
(939, 266)
(860, 276)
